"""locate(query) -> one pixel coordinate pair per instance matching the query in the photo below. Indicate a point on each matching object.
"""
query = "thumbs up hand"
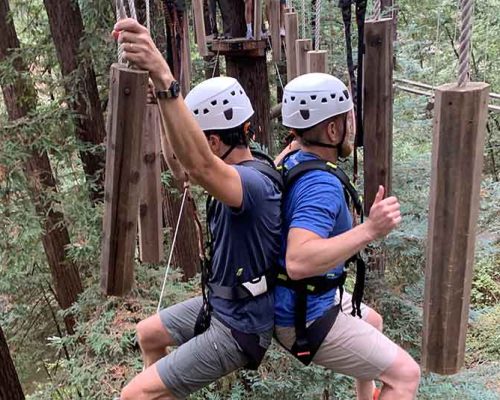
(385, 215)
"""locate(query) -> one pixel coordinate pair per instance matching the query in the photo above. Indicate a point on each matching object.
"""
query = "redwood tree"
(10, 387)
(251, 72)
(20, 98)
(66, 26)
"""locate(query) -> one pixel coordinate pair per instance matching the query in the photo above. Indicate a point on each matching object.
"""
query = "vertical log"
(150, 207)
(257, 18)
(128, 90)
(302, 46)
(251, 72)
(316, 61)
(378, 102)
(10, 387)
(185, 57)
(199, 23)
(457, 162)
(291, 29)
(274, 22)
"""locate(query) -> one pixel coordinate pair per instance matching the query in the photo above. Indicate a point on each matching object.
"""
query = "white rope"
(317, 27)
(467, 8)
(131, 7)
(148, 15)
(377, 7)
(120, 14)
(216, 63)
(172, 247)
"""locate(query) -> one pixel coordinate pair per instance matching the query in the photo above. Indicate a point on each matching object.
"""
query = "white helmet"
(219, 103)
(313, 98)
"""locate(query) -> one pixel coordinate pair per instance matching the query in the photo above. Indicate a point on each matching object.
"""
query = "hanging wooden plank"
(150, 204)
(199, 24)
(274, 22)
(378, 103)
(316, 61)
(291, 29)
(457, 163)
(257, 18)
(302, 46)
(128, 90)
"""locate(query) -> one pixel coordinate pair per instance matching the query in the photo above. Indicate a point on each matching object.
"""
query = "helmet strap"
(224, 156)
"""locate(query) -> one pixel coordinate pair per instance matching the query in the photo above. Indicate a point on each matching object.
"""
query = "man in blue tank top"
(231, 325)
(318, 239)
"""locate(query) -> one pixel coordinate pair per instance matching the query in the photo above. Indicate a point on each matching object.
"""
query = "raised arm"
(183, 133)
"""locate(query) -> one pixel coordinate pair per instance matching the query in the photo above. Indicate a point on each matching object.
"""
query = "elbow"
(295, 268)
(199, 171)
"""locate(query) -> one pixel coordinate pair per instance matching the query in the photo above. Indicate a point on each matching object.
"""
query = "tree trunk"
(20, 98)
(186, 248)
(67, 30)
(251, 72)
(10, 387)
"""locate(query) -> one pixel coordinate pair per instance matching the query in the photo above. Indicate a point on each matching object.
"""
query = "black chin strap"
(224, 156)
(337, 146)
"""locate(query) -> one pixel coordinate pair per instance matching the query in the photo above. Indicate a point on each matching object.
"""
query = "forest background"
(100, 354)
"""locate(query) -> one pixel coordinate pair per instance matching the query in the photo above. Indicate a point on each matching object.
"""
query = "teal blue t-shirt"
(315, 202)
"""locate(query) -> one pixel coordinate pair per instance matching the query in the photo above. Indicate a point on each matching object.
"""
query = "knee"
(144, 335)
(409, 375)
(375, 320)
(128, 393)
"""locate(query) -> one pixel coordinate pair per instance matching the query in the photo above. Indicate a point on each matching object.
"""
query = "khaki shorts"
(352, 347)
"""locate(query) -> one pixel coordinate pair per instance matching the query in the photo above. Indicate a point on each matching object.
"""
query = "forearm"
(294, 145)
(318, 256)
(187, 140)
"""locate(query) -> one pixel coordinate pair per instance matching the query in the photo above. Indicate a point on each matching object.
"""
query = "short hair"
(236, 136)
(316, 132)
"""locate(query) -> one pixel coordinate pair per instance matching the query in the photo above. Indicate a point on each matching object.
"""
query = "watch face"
(175, 89)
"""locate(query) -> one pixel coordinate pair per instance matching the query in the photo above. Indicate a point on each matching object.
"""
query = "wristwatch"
(171, 93)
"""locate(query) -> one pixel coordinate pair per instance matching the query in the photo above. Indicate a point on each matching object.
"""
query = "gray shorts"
(200, 360)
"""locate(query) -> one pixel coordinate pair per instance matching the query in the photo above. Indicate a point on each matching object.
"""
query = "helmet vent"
(228, 114)
(346, 94)
(341, 99)
(305, 114)
(226, 101)
(196, 112)
(241, 91)
(213, 102)
(324, 100)
(292, 98)
(313, 97)
(205, 111)
(332, 95)
(303, 102)
(285, 100)
(233, 93)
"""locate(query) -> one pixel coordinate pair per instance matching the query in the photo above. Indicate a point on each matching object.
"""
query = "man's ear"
(333, 132)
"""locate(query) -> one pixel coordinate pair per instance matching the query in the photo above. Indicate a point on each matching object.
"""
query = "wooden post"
(274, 22)
(10, 387)
(291, 29)
(457, 163)
(316, 61)
(199, 23)
(257, 19)
(150, 205)
(128, 90)
(185, 58)
(377, 116)
(302, 46)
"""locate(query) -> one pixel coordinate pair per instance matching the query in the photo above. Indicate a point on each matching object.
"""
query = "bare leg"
(249, 18)
(146, 386)
(401, 379)
(364, 389)
(153, 339)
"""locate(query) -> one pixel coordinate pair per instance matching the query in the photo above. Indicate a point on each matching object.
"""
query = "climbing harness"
(356, 82)
(243, 290)
(309, 338)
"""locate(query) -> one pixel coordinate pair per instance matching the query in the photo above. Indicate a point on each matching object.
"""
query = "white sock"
(249, 28)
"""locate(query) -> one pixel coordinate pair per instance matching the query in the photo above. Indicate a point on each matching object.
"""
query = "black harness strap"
(249, 343)
(309, 338)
